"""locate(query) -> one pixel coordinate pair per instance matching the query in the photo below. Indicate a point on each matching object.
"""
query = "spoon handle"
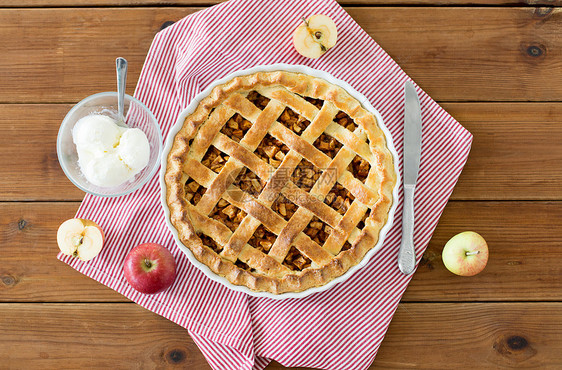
(121, 68)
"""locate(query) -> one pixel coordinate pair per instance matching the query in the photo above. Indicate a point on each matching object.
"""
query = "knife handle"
(407, 253)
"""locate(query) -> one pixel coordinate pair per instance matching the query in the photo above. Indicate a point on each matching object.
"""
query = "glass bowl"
(136, 115)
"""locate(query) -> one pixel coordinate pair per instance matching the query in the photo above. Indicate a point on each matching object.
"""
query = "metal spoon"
(121, 68)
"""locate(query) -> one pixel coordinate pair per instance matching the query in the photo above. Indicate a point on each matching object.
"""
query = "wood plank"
(30, 270)
(521, 268)
(78, 336)
(54, 55)
(80, 3)
(464, 336)
(478, 336)
(485, 54)
(525, 254)
(516, 152)
(472, 54)
(28, 154)
(510, 139)
(460, 336)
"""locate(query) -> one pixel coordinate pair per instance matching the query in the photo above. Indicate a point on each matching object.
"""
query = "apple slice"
(315, 36)
(80, 238)
(465, 254)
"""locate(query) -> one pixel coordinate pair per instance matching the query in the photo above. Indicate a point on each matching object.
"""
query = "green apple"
(465, 254)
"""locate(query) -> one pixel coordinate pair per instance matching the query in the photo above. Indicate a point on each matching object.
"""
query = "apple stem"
(471, 253)
(147, 263)
(304, 20)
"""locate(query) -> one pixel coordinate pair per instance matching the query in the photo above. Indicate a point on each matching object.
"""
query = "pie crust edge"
(297, 281)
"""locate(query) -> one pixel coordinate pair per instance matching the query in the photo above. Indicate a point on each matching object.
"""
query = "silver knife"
(412, 155)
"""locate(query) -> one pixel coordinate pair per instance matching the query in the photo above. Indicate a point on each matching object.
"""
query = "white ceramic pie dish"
(267, 68)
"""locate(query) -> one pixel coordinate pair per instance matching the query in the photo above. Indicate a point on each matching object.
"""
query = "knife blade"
(412, 157)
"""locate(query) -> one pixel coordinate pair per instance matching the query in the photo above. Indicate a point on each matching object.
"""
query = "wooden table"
(497, 68)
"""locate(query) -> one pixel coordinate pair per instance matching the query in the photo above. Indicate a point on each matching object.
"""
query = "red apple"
(465, 254)
(150, 268)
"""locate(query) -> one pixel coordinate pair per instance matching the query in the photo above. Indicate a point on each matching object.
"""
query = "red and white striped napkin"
(341, 328)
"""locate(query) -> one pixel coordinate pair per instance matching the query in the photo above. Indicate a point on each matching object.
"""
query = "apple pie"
(279, 181)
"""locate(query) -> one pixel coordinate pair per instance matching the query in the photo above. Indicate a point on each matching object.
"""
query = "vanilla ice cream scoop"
(133, 148)
(109, 155)
(97, 133)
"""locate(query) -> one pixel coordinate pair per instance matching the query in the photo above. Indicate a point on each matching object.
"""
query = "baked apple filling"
(249, 182)
(305, 175)
(227, 214)
(262, 239)
(304, 167)
(258, 100)
(214, 159)
(193, 191)
(292, 120)
(236, 127)
(271, 150)
(295, 260)
(339, 198)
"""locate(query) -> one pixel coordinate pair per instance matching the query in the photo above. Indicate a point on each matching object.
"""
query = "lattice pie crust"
(279, 181)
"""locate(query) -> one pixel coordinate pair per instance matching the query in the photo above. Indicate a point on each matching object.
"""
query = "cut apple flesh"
(306, 44)
(323, 29)
(315, 36)
(80, 238)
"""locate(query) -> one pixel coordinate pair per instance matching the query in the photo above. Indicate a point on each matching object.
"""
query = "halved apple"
(315, 36)
(80, 238)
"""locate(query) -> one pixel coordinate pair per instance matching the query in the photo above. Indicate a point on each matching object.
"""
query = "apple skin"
(465, 254)
(315, 36)
(80, 238)
(150, 268)
(92, 223)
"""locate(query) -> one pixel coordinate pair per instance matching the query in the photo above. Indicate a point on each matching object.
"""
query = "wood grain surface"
(509, 140)
(484, 54)
(526, 269)
(496, 67)
(76, 3)
(516, 151)
(95, 335)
